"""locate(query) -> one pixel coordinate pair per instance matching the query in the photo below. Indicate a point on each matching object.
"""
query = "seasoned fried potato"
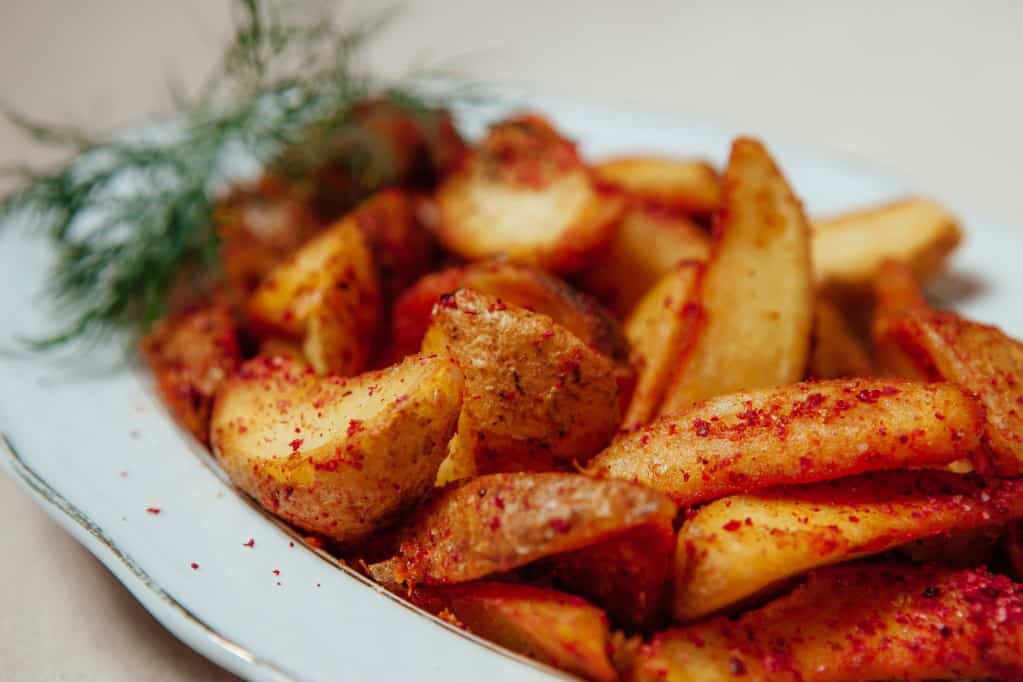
(526, 286)
(982, 359)
(325, 295)
(837, 351)
(877, 622)
(848, 250)
(691, 186)
(552, 627)
(525, 193)
(805, 432)
(756, 293)
(649, 243)
(190, 356)
(896, 293)
(337, 457)
(495, 523)
(737, 547)
(657, 330)
(536, 396)
(627, 575)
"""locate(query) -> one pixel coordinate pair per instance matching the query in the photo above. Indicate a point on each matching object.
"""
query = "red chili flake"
(645, 439)
(495, 523)
(672, 429)
(250, 543)
(278, 583)
(854, 519)
(317, 584)
(496, 307)
(733, 525)
(153, 510)
(559, 525)
(447, 301)
(296, 444)
(354, 426)
(277, 571)
(291, 544)
(548, 333)
(701, 427)
(736, 666)
(195, 566)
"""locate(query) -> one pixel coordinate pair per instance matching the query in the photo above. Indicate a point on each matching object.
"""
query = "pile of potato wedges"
(635, 419)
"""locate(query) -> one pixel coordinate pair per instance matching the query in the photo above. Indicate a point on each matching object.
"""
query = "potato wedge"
(495, 523)
(524, 193)
(657, 331)
(896, 293)
(328, 289)
(649, 243)
(341, 458)
(552, 627)
(982, 359)
(526, 286)
(848, 250)
(837, 351)
(737, 547)
(691, 186)
(756, 293)
(627, 575)
(878, 622)
(801, 433)
(537, 398)
(190, 356)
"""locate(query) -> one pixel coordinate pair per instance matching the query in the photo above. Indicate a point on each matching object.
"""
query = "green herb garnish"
(129, 214)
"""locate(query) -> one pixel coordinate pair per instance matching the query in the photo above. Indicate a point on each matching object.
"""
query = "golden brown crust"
(737, 547)
(876, 622)
(800, 433)
(499, 522)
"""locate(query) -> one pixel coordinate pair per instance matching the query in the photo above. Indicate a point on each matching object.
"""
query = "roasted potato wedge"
(552, 627)
(657, 331)
(327, 290)
(337, 457)
(801, 433)
(648, 243)
(848, 250)
(526, 286)
(837, 351)
(691, 186)
(879, 622)
(982, 359)
(756, 293)
(737, 547)
(495, 523)
(537, 398)
(190, 356)
(896, 293)
(627, 575)
(525, 193)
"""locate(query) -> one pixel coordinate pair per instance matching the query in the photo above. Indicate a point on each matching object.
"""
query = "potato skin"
(191, 355)
(536, 396)
(805, 432)
(495, 523)
(524, 193)
(552, 627)
(874, 622)
(738, 546)
(337, 457)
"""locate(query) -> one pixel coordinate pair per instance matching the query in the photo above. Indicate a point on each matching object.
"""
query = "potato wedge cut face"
(552, 627)
(886, 621)
(686, 185)
(537, 397)
(341, 458)
(657, 331)
(896, 294)
(737, 547)
(849, 250)
(499, 522)
(648, 243)
(981, 359)
(757, 291)
(812, 431)
(525, 193)
(837, 351)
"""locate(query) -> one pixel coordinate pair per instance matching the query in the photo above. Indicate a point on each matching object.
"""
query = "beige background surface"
(929, 89)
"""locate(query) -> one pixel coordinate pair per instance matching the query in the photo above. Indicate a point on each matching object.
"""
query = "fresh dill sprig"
(130, 213)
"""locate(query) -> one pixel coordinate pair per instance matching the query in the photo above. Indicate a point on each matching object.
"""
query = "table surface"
(927, 89)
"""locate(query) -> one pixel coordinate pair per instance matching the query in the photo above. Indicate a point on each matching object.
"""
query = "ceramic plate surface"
(87, 438)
